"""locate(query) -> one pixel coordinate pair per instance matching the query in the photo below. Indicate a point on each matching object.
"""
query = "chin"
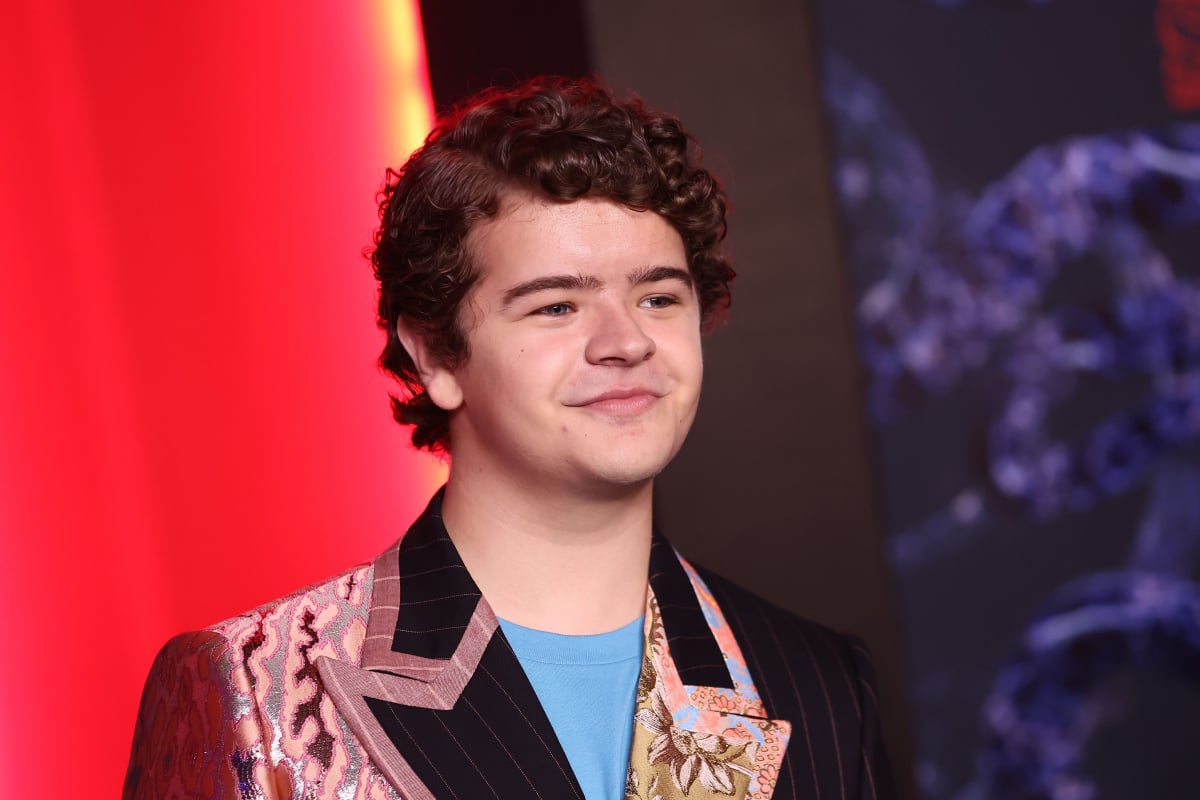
(631, 471)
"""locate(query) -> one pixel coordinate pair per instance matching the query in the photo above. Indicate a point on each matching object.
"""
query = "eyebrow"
(648, 274)
(550, 283)
(654, 274)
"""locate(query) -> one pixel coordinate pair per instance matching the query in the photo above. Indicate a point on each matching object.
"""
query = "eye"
(659, 301)
(555, 310)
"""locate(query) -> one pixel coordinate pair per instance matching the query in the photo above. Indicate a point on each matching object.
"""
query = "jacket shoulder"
(822, 681)
(224, 705)
(345, 595)
(763, 625)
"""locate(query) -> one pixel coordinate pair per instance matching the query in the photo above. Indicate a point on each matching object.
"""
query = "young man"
(547, 262)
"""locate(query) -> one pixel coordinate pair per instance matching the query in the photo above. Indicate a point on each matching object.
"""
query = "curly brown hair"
(553, 138)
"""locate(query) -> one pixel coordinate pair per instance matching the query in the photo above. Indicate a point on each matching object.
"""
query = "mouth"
(620, 402)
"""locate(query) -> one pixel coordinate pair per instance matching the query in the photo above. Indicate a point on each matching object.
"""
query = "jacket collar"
(430, 633)
(417, 632)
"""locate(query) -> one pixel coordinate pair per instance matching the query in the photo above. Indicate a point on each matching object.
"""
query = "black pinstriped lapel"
(440, 702)
(697, 656)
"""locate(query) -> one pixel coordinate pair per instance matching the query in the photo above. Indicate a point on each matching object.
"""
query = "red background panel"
(191, 422)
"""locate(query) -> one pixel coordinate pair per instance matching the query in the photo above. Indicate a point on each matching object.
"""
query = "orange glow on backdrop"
(191, 421)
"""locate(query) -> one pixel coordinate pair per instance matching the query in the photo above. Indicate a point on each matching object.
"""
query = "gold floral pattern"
(689, 756)
(699, 742)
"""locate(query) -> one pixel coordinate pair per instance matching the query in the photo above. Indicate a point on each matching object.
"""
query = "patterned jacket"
(393, 680)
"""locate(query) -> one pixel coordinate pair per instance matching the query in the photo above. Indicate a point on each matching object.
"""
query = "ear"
(440, 381)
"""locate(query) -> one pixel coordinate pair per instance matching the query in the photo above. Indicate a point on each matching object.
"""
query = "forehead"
(531, 237)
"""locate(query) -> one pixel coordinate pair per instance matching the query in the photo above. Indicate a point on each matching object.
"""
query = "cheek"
(545, 362)
(527, 372)
(695, 369)
(687, 353)
(698, 352)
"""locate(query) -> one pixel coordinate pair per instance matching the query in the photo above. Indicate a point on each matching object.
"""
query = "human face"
(584, 334)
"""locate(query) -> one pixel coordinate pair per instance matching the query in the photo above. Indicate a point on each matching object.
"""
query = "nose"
(618, 339)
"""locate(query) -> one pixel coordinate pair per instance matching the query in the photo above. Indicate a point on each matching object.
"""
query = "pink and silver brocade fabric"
(238, 710)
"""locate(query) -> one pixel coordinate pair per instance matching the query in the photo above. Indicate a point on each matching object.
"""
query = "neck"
(563, 564)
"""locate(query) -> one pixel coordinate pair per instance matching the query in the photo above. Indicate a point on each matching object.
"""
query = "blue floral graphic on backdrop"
(1088, 399)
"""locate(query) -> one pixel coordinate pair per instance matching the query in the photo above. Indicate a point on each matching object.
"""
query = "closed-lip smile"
(621, 401)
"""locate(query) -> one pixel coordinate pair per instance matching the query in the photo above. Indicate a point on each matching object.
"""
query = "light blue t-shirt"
(588, 687)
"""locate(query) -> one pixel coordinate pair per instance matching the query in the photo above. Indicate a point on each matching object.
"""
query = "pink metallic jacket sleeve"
(199, 733)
